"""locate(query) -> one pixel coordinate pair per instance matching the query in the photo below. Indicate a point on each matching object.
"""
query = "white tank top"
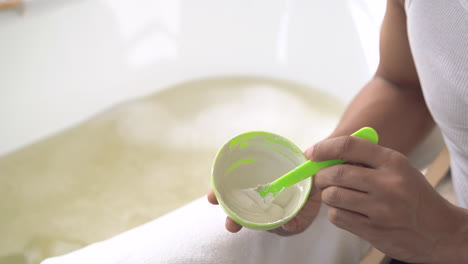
(438, 36)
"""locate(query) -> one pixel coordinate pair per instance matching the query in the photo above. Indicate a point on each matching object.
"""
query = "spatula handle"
(310, 168)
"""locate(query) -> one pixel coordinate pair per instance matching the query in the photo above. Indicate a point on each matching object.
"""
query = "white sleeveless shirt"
(438, 36)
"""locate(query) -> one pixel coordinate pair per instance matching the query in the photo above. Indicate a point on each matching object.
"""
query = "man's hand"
(297, 225)
(385, 200)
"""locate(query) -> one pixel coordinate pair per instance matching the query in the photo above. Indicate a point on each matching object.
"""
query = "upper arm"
(396, 62)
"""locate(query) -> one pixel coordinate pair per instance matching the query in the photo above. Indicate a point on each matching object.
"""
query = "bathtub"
(108, 107)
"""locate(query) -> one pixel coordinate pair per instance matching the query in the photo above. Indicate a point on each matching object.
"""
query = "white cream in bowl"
(252, 159)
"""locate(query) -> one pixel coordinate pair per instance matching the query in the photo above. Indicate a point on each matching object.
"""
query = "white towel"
(195, 233)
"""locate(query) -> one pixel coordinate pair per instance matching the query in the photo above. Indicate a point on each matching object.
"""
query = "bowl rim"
(247, 223)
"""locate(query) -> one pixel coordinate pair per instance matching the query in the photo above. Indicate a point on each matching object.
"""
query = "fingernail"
(309, 152)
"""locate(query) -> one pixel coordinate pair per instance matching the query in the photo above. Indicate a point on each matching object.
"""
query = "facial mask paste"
(250, 205)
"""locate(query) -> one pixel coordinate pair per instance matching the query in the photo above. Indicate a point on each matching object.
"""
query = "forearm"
(399, 115)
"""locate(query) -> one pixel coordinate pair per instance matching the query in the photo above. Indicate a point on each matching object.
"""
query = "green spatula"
(308, 169)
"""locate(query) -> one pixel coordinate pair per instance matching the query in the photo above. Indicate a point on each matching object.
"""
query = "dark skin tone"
(378, 195)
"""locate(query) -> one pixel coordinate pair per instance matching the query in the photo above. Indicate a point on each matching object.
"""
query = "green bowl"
(255, 158)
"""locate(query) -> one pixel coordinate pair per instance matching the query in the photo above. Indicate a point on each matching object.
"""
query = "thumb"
(309, 152)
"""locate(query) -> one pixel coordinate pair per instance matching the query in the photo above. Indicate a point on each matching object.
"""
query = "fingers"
(346, 176)
(309, 152)
(353, 222)
(281, 232)
(303, 219)
(232, 226)
(352, 149)
(350, 200)
(291, 226)
(212, 197)
(306, 216)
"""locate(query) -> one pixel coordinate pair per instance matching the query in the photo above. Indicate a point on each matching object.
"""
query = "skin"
(378, 195)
